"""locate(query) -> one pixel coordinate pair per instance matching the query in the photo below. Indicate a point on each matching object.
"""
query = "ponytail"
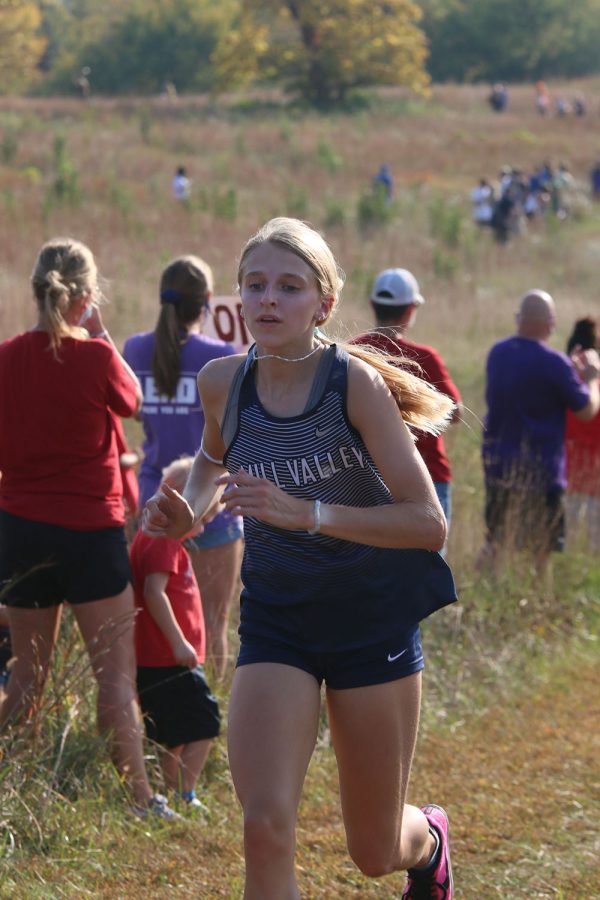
(64, 270)
(421, 405)
(185, 288)
(166, 359)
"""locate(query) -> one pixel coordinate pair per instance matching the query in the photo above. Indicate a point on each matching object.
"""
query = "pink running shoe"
(434, 883)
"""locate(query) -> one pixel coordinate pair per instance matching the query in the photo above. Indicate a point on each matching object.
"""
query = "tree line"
(319, 50)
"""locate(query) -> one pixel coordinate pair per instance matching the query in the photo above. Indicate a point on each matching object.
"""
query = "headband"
(170, 296)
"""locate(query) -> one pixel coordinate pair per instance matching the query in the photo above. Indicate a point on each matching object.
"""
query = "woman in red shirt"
(583, 450)
(61, 506)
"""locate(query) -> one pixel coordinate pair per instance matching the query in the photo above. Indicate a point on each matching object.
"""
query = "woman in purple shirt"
(167, 361)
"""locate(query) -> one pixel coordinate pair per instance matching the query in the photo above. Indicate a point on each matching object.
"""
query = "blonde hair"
(422, 406)
(64, 270)
(185, 286)
(176, 473)
(307, 243)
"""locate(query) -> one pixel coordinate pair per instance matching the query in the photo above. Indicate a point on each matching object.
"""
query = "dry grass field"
(508, 741)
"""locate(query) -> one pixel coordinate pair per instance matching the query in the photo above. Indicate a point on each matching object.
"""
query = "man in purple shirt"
(529, 388)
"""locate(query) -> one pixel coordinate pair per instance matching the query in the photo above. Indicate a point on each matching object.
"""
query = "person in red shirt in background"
(395, 299)
(61, 504)
(583, 448)
(180, 712)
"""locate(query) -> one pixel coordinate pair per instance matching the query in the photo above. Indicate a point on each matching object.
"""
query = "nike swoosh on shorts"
(397, 656)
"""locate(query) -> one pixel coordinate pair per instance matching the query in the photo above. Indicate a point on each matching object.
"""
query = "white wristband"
(101, 334)
(212, 459)
(317, 526)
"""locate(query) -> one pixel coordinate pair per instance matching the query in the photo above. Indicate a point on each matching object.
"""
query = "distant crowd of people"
(545, 104)
(298, 455)
(561, 105)
(517, 197)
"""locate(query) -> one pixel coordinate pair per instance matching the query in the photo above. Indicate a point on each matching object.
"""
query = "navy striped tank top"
(315, 591)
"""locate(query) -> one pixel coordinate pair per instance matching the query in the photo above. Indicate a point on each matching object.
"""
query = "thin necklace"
(287, 358)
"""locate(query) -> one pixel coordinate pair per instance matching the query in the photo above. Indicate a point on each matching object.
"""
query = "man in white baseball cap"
(396, 287)
(395, 299)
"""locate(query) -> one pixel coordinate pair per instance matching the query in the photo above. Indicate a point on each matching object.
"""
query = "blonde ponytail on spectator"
(64, 270)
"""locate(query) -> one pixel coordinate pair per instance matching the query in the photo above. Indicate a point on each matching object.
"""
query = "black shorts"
(395, 658)
(523, 518)
(41, 565)
(177, 704)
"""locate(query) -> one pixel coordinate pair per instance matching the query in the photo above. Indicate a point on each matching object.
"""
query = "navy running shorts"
(394, 658)
(177, 705)
(42, 565)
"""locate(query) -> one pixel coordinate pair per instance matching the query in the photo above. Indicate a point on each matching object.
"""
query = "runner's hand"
(259, 498)
(167, 514)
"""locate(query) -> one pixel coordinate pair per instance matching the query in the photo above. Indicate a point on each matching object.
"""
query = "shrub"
(225, 204)
(373, 208)
(327, 157)
(9, 146)
(296, 202)
(65, 182)
(445, 265)
(445, 221)
(335, 213)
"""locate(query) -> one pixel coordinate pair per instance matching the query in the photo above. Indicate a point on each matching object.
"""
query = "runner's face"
(280, 297)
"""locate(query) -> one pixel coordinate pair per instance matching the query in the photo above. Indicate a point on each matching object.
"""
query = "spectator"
(498, 97)
(180, 712)
(61, 500)
(182, 186)
(384, 182)
(542, 98)
(563, 186)
(169, 91)
(583, 450)
(482, 200)
(595, 180)
(506, 212)
(82, 82)
(506, 175)
(537, 197)
(395, 299)
(167, 362)
(529, 388)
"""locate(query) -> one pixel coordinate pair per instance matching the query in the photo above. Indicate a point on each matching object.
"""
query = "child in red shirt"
(179, 709)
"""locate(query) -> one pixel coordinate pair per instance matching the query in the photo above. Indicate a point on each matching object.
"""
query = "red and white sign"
(226, 323)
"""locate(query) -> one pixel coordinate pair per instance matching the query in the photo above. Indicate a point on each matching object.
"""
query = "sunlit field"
(508, 742)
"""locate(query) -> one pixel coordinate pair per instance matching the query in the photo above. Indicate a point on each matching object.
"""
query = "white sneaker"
(157, 806)
(191, 800)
